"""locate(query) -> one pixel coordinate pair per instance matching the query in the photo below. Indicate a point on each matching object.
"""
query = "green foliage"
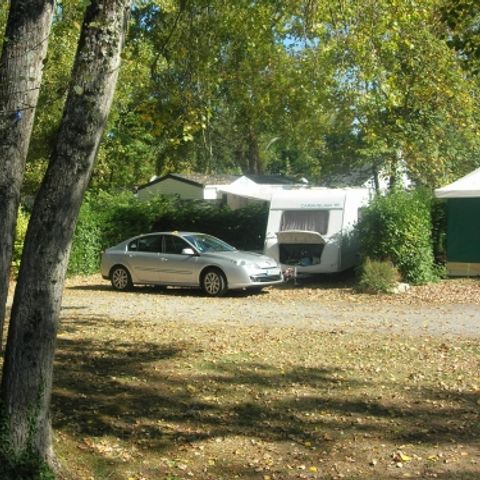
(21, 230)
(87, 241)
(299, 88)
(398, 227)
(24, 469)
(461, 18)
(107, 219)
(377, 276)
(243, 228)
(439, 232)
(3, 20)
(56, 77)
(122, 216)
(26, 466)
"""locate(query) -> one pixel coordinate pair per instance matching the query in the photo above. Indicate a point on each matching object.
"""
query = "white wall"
(170, 186)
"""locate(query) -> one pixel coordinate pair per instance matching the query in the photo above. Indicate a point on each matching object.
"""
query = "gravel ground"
(451, 307)
(302, 381)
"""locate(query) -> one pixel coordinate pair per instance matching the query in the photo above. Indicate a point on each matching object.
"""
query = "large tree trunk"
(21, 68)
(27, 376)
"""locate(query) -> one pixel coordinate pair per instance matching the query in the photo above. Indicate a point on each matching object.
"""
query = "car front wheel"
(121, 279)
(214, 283)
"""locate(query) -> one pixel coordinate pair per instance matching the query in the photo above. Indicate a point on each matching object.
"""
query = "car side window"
(150, 243)
(175, 245)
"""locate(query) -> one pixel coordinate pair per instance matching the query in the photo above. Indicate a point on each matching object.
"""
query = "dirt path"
(304, 382)
(449, 308)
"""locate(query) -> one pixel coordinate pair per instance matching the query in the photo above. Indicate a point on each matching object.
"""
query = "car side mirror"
(188, 251)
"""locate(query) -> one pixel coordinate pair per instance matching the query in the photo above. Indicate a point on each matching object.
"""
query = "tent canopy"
(260, 192)
(466, 187)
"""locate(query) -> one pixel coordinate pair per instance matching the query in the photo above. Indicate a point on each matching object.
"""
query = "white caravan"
(310, 230)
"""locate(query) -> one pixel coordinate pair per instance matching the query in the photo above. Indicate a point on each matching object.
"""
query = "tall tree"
(228, 93)
(27, 374)
(462, 19)
(404, 89)
(21, 67)
(58, 66)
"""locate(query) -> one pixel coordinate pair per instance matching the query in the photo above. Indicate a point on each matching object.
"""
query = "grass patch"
(142, 400)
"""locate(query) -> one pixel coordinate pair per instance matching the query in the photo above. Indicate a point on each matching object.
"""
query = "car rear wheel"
(214, 283)
(121, 279)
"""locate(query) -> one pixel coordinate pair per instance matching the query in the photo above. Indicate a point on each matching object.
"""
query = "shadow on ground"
(114, 387)
(341, 280)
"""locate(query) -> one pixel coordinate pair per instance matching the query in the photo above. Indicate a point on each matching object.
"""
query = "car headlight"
(239, 263)
(252, 268)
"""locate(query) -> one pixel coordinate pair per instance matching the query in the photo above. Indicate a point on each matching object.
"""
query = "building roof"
(201, 180)
(196, 179)
(465, 187)
(272, 179)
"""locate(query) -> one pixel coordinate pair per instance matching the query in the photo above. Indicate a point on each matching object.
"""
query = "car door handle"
(163, 259)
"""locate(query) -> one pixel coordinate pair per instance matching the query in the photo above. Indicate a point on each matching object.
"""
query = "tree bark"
(253, 152)
(21, 69)
(27, 376)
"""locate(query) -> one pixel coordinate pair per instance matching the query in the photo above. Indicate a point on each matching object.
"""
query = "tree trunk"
(21, 68)
(253, 152)
(27, 376)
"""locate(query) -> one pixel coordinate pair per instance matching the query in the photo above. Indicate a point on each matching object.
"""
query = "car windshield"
(207, 243)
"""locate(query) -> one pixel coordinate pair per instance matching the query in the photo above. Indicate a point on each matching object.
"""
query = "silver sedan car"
(187, 259)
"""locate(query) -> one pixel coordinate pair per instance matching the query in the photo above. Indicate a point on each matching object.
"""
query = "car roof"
(172, 232)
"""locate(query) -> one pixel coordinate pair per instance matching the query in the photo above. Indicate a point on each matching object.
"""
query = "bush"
(87, 245)
(378, 276)
(21, 230)
(243, 228)
(398, 227)
(107, 219)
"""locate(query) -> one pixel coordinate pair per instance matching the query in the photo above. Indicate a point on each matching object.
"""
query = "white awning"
(256, 193)
(466, 187)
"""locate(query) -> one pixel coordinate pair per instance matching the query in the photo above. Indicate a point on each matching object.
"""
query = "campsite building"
(463, 224)
(235, 190)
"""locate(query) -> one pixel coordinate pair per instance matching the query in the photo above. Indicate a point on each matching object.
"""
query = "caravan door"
(300, 248)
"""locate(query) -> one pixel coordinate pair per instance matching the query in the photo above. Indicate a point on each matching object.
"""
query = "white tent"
(466, 187)
(245, 188)
(254, 192)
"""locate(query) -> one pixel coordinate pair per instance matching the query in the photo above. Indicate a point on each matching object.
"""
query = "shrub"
(243, 228)
(378, 276)
(21, 230)
(398, 227)
(107, 219)
(86, 246)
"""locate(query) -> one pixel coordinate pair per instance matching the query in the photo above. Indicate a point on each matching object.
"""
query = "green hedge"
(243, 228)
(23, 218)
(398, 227)
(107, 219)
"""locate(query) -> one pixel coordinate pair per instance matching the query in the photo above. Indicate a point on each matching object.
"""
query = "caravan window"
(311, 220)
